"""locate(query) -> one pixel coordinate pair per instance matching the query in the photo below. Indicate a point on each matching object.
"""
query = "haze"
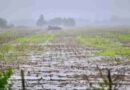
(82, 10)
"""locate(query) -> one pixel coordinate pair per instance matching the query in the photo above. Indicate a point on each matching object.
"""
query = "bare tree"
(110, 81)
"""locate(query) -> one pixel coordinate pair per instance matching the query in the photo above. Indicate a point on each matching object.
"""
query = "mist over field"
(85, 12)
(64, 44)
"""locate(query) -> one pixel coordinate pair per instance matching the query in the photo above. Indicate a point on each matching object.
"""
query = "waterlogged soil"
(64, 66)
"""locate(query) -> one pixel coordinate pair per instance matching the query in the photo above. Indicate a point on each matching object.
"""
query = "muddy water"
(62, 67)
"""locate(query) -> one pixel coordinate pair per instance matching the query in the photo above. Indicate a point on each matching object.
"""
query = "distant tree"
(41, 21)
(69, 22)
(55, 21)
(3, 22)
(11, 25)
(62, 21)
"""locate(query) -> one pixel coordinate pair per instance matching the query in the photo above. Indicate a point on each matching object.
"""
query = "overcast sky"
(87, 9)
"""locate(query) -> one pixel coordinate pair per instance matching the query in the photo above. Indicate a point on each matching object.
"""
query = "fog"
(83, 11)
(64, 44)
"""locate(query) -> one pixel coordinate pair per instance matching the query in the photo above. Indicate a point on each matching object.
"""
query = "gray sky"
(87, 9)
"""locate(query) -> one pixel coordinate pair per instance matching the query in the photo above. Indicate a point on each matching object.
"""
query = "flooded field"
(64, 44)
(57, 68)
(66, 66)
(59, 61)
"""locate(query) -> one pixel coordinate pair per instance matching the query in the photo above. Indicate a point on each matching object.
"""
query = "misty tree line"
(58, 21)
(4, 23)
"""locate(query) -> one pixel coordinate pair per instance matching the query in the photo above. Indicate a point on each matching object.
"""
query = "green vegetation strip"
(35, 39)
(6, 37)
(10, 52)
(111, 44)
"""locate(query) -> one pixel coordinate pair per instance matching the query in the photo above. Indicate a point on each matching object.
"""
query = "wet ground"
(64, 66)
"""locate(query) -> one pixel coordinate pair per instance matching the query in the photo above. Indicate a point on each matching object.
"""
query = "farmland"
(72, 59)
